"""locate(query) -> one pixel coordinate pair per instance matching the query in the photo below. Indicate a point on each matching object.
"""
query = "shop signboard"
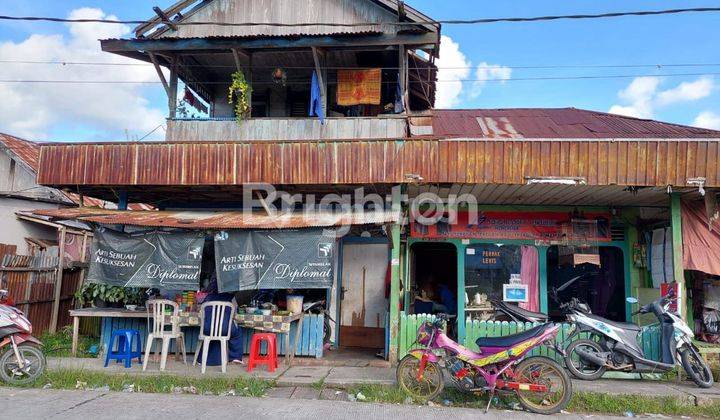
(517, 293)
(168, 260)
(548, 226)
(274, 259)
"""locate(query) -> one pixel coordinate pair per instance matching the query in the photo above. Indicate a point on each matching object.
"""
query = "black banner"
(274, 259)
(166, 260)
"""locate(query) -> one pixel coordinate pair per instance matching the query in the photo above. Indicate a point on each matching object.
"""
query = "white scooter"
(21, 360)
(614, 345)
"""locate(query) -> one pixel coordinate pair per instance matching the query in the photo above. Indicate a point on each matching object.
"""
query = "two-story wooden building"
(556, 192)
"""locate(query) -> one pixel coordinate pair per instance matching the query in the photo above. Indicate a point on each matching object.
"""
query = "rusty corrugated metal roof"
(373, 12)
(551, 123)
(25, 150)
(222, 220)
(634, 162)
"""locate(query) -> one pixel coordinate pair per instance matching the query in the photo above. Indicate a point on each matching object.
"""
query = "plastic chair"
(158, 309)
(221, 316)
(125, 339)
(270, 359)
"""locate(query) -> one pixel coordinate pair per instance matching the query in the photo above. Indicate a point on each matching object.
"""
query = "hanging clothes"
(529, 275)
(357, 87)
(399, 105)
(316, 106)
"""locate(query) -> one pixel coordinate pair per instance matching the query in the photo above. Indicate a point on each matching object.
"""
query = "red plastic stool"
(270, 359)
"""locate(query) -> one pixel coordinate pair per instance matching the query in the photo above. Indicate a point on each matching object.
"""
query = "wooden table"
(277, 324)
(190, 319)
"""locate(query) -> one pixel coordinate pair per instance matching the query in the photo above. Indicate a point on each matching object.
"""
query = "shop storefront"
(518, 256)
(335, 268)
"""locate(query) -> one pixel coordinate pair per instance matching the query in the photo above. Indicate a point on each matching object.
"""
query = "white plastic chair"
(160, 330)
(219, 317)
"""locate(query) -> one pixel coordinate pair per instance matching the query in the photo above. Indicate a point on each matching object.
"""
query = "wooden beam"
(164, 18)
(203, 44)
(236, 56)
(403, 75)
(677, 257)
(318, 69)
(58, 281)
(170, 11)
(158, 69)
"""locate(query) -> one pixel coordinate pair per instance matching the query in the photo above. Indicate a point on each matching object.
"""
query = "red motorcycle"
(21, 359)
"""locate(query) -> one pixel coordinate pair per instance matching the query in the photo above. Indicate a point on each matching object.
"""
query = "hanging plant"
(239, 93)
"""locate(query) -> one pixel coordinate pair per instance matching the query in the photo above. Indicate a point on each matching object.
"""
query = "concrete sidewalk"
(344, 377)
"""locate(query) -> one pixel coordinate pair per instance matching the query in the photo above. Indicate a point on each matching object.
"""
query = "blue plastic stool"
(124, 350)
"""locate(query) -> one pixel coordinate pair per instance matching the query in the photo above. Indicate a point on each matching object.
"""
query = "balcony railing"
(226, 129)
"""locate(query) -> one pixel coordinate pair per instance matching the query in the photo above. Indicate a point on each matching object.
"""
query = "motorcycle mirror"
(631, 300)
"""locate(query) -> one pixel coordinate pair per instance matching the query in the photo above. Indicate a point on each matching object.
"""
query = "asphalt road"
(56, 404)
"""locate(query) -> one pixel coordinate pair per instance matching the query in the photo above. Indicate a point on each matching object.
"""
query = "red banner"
(543, 226)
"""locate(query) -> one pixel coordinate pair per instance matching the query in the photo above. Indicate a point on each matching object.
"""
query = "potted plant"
(239, 94)
(106, 296)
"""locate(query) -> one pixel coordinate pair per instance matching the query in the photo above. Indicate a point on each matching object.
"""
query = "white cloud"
(639, 95)
(641, 98)
(31, 110)
(707, 119)
(453, 67)
(687, 91)
(487, 72)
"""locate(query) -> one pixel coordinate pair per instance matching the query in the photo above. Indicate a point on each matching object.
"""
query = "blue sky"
(80, 112)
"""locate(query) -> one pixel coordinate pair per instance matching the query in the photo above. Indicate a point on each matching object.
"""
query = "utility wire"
(519, 67)
(415, 23)
(304, 82)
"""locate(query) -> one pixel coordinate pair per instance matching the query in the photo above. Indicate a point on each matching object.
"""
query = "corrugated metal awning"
(223, 219)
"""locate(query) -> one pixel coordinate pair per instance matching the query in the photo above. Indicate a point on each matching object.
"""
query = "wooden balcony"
(381, 127)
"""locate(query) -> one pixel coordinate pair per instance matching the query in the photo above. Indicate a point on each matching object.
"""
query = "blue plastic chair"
(125, 339)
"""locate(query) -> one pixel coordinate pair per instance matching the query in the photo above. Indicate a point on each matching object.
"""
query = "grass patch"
(581, 402)
(318, 385)
(60, 344)
(82, 379)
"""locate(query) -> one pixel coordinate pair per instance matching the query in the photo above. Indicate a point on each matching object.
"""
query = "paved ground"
(44, 404)
(343, 377)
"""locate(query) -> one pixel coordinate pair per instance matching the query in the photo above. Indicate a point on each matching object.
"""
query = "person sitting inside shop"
(235, 344)
(433, 301)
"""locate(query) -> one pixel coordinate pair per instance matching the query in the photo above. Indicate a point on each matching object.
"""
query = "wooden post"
(76, 332)
(394, 293)
(677, 247)
(238, 65)
(58, 281)
(172, 96)
(461, 292)
(543, 279)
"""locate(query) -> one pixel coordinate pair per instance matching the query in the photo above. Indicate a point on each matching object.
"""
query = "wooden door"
(363, 306)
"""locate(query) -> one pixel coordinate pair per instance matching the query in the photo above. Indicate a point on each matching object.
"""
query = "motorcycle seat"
(622, 325)
(524, 313)
(510, 340)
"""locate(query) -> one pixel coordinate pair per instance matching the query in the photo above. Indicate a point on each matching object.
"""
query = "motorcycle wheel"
(542, 370)
(696, 368)
(427, 388)
(580, 368)
(32, 354)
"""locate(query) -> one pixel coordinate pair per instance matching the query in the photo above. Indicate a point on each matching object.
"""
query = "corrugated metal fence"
(31, 281)
(649, 338)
